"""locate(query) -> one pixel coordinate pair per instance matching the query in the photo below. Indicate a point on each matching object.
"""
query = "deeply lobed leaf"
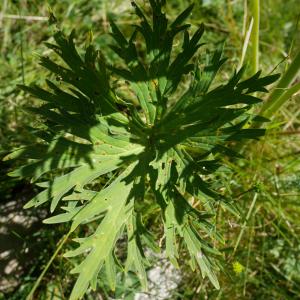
(158, 145)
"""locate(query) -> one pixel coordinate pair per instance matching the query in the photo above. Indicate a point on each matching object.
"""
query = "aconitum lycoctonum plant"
(155, 141)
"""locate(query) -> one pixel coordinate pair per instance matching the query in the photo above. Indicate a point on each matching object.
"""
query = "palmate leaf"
(167, 149)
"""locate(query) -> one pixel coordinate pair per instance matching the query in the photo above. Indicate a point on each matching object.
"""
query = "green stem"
(37, 283)
(280, 94)
(21, 48)
(255, 35)
(248, 260)
(245, 223)
(269, 112)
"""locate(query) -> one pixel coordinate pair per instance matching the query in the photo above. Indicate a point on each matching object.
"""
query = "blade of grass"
(263, 249)
(281, 100)
(255, 36)
(282, 92)
(4, 6)
(4, 29)
(21, 48)
(251, 233)
(37, 283)
(26, 18)
(245, 17)
(246, 43)
(245, 223)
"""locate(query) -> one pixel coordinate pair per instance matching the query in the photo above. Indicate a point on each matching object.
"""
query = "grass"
(266, 185)
(284, 90)
(255, 5)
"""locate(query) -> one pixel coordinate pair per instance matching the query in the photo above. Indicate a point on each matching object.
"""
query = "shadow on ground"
(17, 240)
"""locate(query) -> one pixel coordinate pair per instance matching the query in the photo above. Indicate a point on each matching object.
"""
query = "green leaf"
(135, 257)
(104, 158)
(101, 243)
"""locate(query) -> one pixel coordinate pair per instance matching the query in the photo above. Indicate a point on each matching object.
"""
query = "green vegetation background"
(263, 252)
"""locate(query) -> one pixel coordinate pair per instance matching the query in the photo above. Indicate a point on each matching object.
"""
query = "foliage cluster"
(158, 147)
